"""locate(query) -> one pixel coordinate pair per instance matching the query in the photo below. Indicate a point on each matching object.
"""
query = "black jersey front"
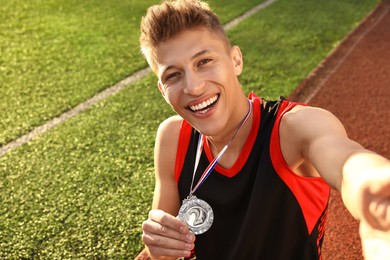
(261, 209)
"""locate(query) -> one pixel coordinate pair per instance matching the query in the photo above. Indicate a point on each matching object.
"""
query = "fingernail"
(189, 246)
(183, 229)
(190, 237)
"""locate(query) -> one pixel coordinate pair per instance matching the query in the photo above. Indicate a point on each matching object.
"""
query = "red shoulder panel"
(184, 139)
(312, 194)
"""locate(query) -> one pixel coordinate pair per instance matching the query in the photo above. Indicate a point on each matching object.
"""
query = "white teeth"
(204, 104)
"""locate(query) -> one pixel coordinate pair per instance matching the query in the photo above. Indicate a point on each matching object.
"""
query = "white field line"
(248, 14)
(40, 130)
(346, 55)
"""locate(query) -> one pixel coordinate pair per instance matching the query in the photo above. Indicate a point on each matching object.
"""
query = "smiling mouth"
(205, 105)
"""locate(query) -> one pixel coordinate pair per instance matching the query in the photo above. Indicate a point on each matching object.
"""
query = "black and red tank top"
(262, 209)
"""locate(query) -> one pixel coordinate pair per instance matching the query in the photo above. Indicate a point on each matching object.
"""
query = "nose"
(193, 83)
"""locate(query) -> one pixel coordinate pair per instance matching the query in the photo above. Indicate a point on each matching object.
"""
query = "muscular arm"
(165, 236)
(166, 195)
(315, 143)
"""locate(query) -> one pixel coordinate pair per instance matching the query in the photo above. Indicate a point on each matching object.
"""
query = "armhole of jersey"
(184, 139)
(311, 193)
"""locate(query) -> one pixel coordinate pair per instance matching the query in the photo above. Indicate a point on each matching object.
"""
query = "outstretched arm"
(362, 176)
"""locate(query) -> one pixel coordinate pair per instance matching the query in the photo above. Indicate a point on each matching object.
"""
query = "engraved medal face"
(197, 214)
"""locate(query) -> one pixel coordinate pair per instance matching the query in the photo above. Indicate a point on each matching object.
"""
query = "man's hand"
(366, 192)
(375, 243)
(143, 255)
(375, 224)
(166, 236)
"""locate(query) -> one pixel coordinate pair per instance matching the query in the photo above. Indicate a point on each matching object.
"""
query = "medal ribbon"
(214, 162)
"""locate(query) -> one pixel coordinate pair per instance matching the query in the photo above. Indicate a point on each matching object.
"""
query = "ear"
(237, 60)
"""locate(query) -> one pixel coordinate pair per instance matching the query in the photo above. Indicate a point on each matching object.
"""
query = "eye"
(203, 61)
(171, 76)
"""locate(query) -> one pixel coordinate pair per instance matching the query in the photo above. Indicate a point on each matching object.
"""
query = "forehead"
(186, 44)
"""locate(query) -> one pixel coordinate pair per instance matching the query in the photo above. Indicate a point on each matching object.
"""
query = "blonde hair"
(164, 21)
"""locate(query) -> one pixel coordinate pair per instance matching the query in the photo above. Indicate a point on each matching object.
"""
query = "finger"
(376, 249)
(156, 252)
(169, 221)
(151, 228)
(375, 243)
(164, 246)
(380, 210)
(379, 184)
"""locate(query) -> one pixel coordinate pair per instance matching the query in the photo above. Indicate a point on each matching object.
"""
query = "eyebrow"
(196, 55)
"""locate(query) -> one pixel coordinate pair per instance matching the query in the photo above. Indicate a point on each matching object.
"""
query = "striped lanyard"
(214, 162)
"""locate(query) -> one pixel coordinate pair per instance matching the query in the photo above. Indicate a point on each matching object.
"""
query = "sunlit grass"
(56, 54)
(83, 189)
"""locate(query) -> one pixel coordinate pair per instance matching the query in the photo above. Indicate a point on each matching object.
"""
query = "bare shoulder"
(307, 121)
(305, 129)
(168, 131)
(166, 195)
(166, 145)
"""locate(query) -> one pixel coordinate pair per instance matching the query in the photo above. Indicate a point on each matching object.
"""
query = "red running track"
(354, 83)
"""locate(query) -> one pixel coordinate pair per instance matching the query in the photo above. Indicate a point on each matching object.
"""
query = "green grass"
(282, 44)
(56, 54)
(84, 188)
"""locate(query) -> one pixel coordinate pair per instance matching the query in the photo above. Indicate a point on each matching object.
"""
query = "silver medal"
(197, 214)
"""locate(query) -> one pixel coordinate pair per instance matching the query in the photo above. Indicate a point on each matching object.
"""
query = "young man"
(245, 178)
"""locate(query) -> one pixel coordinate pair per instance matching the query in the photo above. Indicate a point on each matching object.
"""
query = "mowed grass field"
(83, 189)
(57, 53)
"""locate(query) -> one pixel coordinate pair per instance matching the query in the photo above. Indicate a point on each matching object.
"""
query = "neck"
(236, 136)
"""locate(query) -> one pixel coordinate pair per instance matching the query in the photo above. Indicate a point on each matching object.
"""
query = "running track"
(353, 82)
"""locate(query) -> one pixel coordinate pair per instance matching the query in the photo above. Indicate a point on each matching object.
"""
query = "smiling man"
(239, 177)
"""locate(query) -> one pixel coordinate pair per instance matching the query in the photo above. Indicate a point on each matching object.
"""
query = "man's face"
(197, 75)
